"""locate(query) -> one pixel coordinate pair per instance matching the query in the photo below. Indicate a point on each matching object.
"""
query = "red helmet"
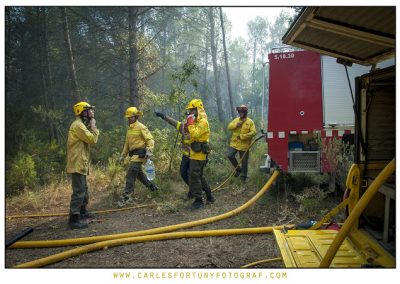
(242, 108)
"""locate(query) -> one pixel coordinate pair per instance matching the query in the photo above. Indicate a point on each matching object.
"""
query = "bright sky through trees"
(240, 16)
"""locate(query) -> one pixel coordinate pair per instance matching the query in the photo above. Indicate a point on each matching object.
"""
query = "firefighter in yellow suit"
(199, 132)
(243, 131)
(81, 134)
(139, 145)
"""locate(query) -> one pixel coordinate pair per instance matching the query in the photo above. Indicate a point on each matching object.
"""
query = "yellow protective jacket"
(78, 150)
(199, 132)
(242, 135)
(185, 137)
(138, 136)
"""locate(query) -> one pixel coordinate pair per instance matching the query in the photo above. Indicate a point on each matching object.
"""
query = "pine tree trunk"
(227, 65)
(46, 73)
(133, 82)
(253, 75)
(215, 65)
(204, 85)
(70, 58)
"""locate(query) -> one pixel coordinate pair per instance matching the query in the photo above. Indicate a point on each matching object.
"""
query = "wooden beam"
(329, 52)
(352, 32)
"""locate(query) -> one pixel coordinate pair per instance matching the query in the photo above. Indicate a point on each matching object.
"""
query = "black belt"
(141, 152)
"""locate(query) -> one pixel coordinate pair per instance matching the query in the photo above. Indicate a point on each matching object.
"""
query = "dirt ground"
(208, 252)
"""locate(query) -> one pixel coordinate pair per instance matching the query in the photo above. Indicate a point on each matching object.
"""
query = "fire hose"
(170, 228)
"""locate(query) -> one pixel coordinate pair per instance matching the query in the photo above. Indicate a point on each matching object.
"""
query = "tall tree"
(45, 69)
(257, 34)
(278, 29)
(227, 65)
(215, 64)
(133, 80)
(239, 59)
(70, 57)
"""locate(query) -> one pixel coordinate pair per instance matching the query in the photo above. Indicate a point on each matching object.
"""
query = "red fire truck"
(308, 96)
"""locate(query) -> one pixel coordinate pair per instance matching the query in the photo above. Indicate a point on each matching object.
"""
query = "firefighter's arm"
(233, 124)
(168, 119)
(86, 135)
(172, 122)
(250, 134)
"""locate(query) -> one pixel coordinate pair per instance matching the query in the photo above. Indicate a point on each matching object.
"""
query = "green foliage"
(44, 114)
(49, 158)
(115, 177)
(311, 199)
(339, 156)
(109, 143)
(22, 174)
(218, 166)
(167, 151)
(182, 81)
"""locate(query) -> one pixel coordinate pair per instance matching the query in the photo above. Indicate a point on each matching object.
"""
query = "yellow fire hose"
(330, 214)
(95, 212)
(356, 212)
(87, 240)
(261, 262)
(141, 239)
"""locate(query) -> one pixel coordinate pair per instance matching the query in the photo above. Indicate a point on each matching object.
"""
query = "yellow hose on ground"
(95, 212)
(262, 261)
(141, 239)
(356, 212)
(87, 240)
(330, 214)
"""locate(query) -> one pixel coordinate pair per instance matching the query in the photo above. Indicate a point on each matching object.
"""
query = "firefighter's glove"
(190, 119)
(159, 114)
(121, 160)
(149, 154)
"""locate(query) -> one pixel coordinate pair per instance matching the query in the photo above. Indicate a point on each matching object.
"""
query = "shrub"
(109, 143)
(339, 156)
(49, 157)
(310, 200)
(21, 174)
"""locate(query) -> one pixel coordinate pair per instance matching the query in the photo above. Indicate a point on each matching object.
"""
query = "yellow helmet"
(196, 103)
(81, 106)
(132, 111)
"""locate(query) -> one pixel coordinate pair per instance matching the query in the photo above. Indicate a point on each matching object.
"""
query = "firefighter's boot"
(126, 200)
(153, 187)
(75, 223)
(198, 203)
(188, 196)
(85, 214)
(210, 197)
